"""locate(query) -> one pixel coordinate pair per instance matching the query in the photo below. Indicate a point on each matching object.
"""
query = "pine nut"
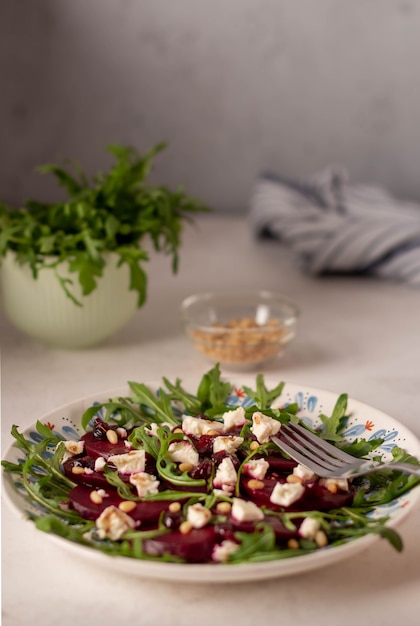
(95, 497)
(185, 467)
(112, 436)
(174, 507)
(185, 528)
(293, 544)
(212, 432)
(254, 445)
(292, 478)
(223, 508)
(321, 539)
(255, 484)
(178, 429)
(77, 469)
(332, 487)
(127, 505)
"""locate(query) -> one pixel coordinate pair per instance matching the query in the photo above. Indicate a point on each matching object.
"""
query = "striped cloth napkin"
(333, 226)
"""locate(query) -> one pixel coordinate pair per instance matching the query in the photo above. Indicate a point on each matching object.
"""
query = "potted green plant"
(73, 272)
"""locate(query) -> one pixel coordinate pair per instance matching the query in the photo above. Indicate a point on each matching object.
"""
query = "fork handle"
(362, 471)
(405, 467)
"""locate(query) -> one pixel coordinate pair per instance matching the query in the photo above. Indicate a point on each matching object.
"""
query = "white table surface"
(356, 335)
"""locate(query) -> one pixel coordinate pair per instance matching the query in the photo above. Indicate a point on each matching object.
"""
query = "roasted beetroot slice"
(99, 447)
(95, 479)
(317, 497)
(282, 533)
(147, 512)
(194, 547)
(80, 501)
(278, 463)
(227, 530)
(259, 496)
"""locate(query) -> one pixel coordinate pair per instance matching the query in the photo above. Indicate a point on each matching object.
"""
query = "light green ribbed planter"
(41, 309)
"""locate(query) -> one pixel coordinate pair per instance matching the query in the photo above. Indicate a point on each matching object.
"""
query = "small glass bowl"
(239, 328)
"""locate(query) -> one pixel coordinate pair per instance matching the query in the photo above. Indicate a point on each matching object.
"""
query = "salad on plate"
(169, 475)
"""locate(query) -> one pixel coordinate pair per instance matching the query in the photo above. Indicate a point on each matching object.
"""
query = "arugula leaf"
(361, 447)
(178, 393)
(262, 396)
(116, 211)
(263, 540)
(334, 423)
(160, 405)
(216, 389)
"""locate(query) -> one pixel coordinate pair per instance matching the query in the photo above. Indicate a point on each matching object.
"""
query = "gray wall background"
(234, 86)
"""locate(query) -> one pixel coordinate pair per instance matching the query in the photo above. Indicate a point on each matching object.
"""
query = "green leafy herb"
(334, 423)
(262, 396)
(115, 212)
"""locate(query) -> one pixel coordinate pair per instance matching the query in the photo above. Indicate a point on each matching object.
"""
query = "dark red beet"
(316, 497)
(195, 546)
(259, 496)
(227, 530)
(202, 470)
(282, 533)
(96, 479)
(279, 464)
(147, 512)
(98, 447)
(204, 445)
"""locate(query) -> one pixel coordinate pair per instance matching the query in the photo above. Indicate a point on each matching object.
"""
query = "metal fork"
(325, 459)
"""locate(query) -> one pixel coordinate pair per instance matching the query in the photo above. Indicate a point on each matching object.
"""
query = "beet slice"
(278, 463)
(194, 547)
(147, 512)
(316, 496)
(92, 478)
(227, 529)
(102, 447)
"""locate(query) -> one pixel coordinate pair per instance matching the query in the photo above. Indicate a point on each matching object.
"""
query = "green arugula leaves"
(116, 212)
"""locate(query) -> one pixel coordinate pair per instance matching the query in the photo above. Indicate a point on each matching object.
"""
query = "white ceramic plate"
(365, 421)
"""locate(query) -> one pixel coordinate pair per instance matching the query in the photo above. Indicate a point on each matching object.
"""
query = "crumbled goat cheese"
(144, 483)
(183, 452)
(309, 527)
(226, 476)
(304, 473)
(153, 428)
(113, 523)
(256, 468)
(234, 418)
(244, 511)
(286, 494)
(264, 427)
(198, 515)
(228, 443)
(72, 448)
(198, 426)
(100, 464)
(130, 462)
(221, 552)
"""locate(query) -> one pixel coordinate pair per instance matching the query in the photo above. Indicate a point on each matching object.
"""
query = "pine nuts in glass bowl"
(239, 328)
